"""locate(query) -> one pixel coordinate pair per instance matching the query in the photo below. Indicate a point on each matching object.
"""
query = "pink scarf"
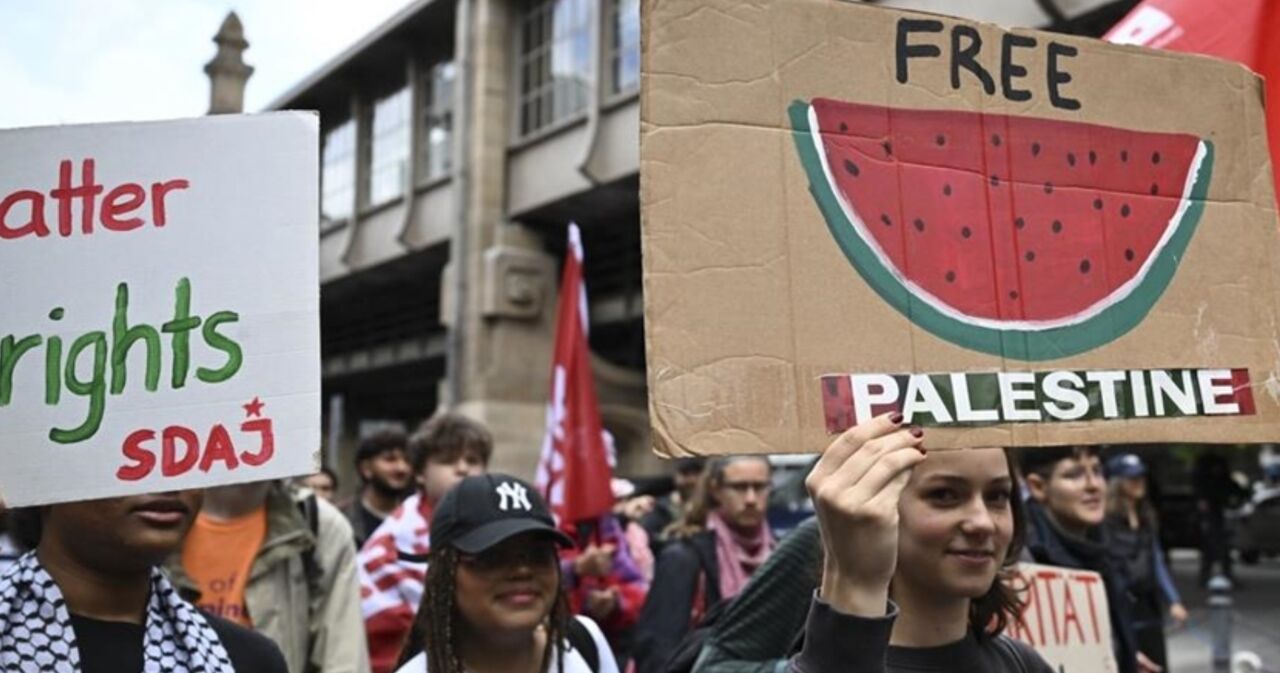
(738, 554)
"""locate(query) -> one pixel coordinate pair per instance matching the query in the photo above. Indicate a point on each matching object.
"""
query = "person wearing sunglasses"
(494, 599)
(714, 549)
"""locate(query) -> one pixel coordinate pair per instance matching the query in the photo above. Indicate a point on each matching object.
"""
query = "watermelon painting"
(1028, 238)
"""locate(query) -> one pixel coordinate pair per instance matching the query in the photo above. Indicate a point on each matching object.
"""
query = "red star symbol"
(253, 408)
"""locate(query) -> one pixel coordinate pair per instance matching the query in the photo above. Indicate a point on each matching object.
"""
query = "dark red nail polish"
(896, 419)
(917, 432)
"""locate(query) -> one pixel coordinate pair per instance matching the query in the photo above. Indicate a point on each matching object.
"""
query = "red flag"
(1239, 30)
(573, 472)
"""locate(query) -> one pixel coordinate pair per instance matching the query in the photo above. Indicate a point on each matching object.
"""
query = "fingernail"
(896, 419)
(923, 451)
(917, 432)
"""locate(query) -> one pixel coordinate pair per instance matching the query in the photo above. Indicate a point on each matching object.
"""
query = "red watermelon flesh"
(995, 215)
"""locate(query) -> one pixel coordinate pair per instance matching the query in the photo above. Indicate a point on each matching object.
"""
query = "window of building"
(389, 147)
(624, 46)
(437, 109)
(555, 62)
(338, 173)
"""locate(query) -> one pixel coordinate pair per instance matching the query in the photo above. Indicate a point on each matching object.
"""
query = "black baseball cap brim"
(490, 534)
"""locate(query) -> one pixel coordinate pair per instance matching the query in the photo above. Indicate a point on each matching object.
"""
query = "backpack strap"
(580, 639)
(710, 566)
(701, 603)
(311, 514)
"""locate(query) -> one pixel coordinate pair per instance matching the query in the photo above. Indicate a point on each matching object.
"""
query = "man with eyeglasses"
(713, 550)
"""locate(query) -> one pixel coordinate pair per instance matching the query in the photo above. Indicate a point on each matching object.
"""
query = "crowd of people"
(436, 565)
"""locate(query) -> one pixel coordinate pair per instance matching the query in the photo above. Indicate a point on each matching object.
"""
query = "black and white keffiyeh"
(36, 633)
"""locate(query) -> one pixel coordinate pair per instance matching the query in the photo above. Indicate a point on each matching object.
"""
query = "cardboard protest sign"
(1015, 238)
(159, 306)
(1065, 618)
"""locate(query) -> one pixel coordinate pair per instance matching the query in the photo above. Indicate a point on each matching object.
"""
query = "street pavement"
(1257, 615)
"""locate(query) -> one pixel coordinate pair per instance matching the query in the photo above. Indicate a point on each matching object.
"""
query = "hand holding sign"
(855, 487)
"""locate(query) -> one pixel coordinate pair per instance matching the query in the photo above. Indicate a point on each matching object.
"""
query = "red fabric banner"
(573, 472)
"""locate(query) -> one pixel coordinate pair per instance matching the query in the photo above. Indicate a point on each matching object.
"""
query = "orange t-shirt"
(217, 555)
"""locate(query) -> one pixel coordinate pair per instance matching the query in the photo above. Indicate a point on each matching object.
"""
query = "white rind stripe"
(1022, 325)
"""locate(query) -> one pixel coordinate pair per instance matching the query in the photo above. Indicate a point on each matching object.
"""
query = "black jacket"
(667, 612)
(834, 641)
(1050, 545)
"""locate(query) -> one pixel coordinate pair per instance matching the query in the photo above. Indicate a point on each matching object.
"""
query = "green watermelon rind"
(1019, 343)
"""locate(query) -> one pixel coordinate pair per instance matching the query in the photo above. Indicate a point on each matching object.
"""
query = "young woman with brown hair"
(917, 551)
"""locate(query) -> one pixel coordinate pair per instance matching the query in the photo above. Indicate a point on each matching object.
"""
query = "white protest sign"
(1065, 618)
(159, 306)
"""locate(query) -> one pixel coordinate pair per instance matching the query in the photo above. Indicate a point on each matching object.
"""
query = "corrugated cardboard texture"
(749, 300)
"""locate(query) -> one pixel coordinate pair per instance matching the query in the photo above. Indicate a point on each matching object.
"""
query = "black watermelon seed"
(1013, 294)
(995, 139)
(851, 168)
(941, 140)
(1124, 210)
(1155, 157)
(884, 217)
(1031, 256)
(1085, 266)
(1057, 226)
(1019, 223)
(1155, 189)
(946, 190)
(1128, 254)
(1093, 157)
(1071, 158)
(995, 181)
(1097, 204)
(1124, 155)
(888, 148)
(1048, 188)
(844, 128)
(919, 224)
(966, 232)
(951, 276)
(1035, 149)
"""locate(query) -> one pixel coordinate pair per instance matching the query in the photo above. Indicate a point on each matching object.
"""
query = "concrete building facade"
(458, 140)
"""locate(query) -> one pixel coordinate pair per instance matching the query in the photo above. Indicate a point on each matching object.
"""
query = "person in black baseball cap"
(494, 598)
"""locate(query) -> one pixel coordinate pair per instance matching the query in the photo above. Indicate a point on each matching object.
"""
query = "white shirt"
(573, 660)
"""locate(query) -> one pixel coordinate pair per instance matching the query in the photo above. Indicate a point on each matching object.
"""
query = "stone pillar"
(228, 72)
(508, 304)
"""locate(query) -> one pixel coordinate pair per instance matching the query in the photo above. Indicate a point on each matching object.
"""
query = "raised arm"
(856, 486)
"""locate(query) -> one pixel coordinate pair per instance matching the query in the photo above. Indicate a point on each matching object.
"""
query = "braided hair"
(434, 631)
